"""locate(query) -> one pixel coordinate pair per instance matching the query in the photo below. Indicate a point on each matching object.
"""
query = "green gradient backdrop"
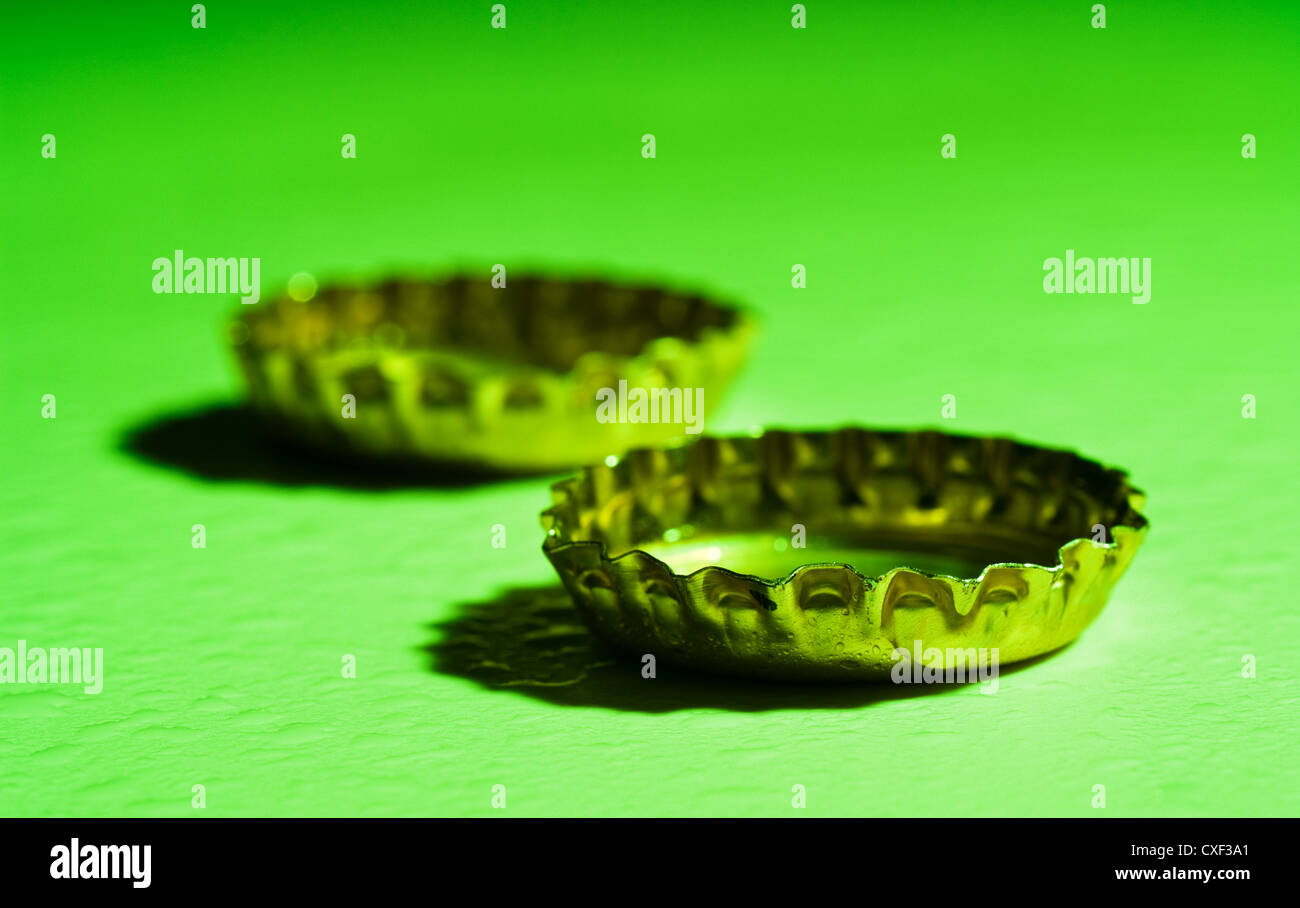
(775, 146)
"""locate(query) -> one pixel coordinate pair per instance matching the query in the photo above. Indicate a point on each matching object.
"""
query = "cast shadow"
(230, 443)
(532, 641)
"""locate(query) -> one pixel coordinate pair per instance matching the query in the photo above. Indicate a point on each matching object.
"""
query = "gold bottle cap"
(456, 370)
(818, 555)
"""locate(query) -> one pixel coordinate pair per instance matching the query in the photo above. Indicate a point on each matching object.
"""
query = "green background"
(776, 146)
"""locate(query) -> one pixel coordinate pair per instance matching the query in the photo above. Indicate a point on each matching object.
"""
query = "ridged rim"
(566, 490)
(406, 346)
(826, 619)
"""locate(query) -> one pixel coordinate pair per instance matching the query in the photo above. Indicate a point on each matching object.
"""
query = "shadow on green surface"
(230, 443)
(531, 641)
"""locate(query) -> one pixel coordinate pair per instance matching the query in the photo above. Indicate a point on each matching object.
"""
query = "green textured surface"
(775, 146)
